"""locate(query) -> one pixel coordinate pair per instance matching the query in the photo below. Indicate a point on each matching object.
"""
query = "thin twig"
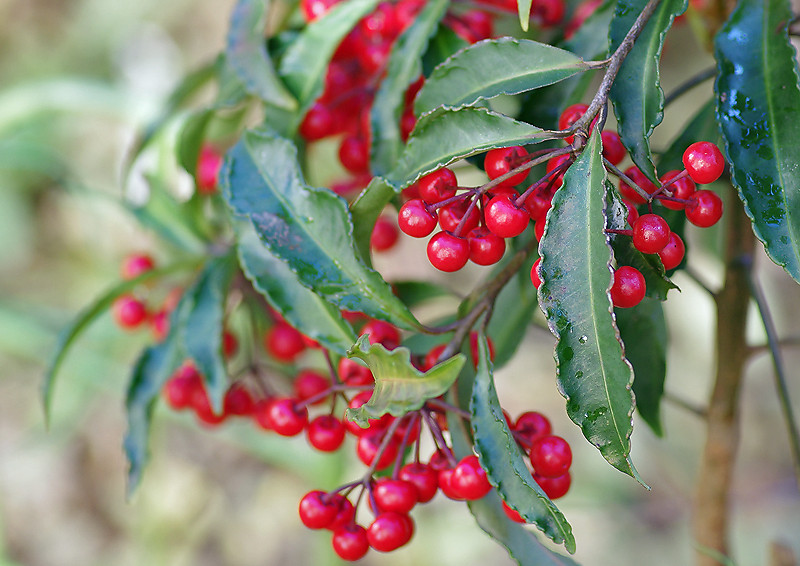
(692, 274)
(684, 404)
(689, 84)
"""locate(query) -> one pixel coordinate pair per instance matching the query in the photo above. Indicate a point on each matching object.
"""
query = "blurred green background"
(78, 80)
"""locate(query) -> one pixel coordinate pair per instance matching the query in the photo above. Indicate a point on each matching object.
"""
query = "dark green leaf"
(191, 139)
(502, 459)
(493, 67)
(305, 62)
(89, 315)
(442, 137)
(413, 293)
(200, 333)
(636, 94)
(403, 68)
(247, 55)
(365, 211)
(399, 386)
(757, 108)
(442, 45)
(513, 312)
(300, 306)
(644, 333)
(310, 229)
(593, 374)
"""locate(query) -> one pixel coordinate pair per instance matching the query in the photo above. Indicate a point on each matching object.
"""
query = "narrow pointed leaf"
(403, 68)
(247, 55)
(445, 136)
(201, 331)
(502, 459)
(399, 386)
(365, 211)
(636, 94)
(305, 62)
(524, 13)
(310, 229)
(593, 374)
(191, 138)
(493, 67)
(445, 43)
(300, 306)
(757, 108)
(644, 333)
(513, 312)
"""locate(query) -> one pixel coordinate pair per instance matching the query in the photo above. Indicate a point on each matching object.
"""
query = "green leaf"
(636, 94)
(71, 333)
(191, 138)
(305, 62)
(399, 386)
(403, 68)
(200, 333)
(300, 306)
(513, 312)
(246, 53)
(493, 67)
(757, 109)
(524, 13)
(502, 459)
(310, 229)
(644, 333)
(414, 293)
(168, 219)
(442, 137)
(593, 374)
(442, 45)
(365, 211)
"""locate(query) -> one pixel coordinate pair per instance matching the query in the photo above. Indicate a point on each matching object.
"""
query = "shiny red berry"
(397, 495)
(629, 287)
(613, 150)
(447, 252)
(704, 162)
(469, 479)
(459, 213)
(672, 254)
(554, 487)
(704, 208)
(550, 456)
(367, 450)
(129, 312)
(629, 193)
(437, 186)
(502, 160)
(135, 265)
(283, 416)
(382, 332)
(352, 372)
(532, 425)
(354, 154)
(284, 342)
(424, 478)
(317, 510)
(238, 401)
(384, 235)
(389, 531)
(415, 220)
(650, 233)
(683, 188)
(325, 433)
(310, 383)
(350, 542)
(536, 277)
(504, 218)
(485, 248)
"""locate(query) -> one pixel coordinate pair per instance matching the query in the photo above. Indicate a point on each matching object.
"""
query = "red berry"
(313, 9)
(538, 229)
(485, 248)
(704, 162)
(554, 163)
(415, 220)
(317, 509)
(129, 312)
(397, 495)
(384, 235)
(570, 115)
(229, 344)
(537, 205)
(704, 208)
(437, 186)
(650, 233)
(447, 252)
(310, 383)
(389, 531)
(449, 489)
(424, 478)
(354, 154)
(380, 25)
(284, 342)
(532, 425)
(408, 121)
(473, 347)
(502, 160)
(353, 373)
(283, 416)
(633, 214)
(683, 188)
(453, 215)
(511, 514)
(629, 193)
(179, 389)
(382, 332)
(345, 512)
(504, 218)
(672, 254)
(536, 277)
(374, 425)
(629, 288)
(238, 401)
(547, 12)
(440, 460)
(202, 407)
(432, 357)
(325, 433)
(209, 163)
(550, 456)
(135, 265)
(469, 479)
(479, 23)
(613, 150)
(367, 450)
(350, 542)
(318, 123)
(554, 487)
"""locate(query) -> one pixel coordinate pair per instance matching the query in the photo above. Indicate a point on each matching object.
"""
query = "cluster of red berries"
(131, 311)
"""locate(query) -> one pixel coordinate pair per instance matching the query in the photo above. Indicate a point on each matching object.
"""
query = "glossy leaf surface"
(757, 108)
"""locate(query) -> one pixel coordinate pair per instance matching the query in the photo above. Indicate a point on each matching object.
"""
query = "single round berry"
(704, 162)
(548, 13)
(683, 188)
(354, 154)
(350, 542)
(532, 425)
(459, 213)
(318, 123)
(469, 479)
(367, 450)
(415, 220)
(317, 510)
(384, 235)
(437, 186)
(432, 357)
(538, 229)
(135, 265)
(650, 233)
(389, 531)
(629, 193)
(345, 512)
(397, 495)
(353, 373)
(554, 487)
(672, 254)
(447, 252)
(613, 150)
(374, 425)
(325, 433)
(179, 389)
(284, 417)
(238, 401)
(537, 205)
(502, 160)
(504, 218)
(382, 332)
(536, 277)
(209, 163)
(310, 383)
(629, 287)
(570, 115)
(313, 9)
(485, 248)
(704, 208)
(284, 342)
(447, 486)
(129, 312)
(424, 478)
(550, 456)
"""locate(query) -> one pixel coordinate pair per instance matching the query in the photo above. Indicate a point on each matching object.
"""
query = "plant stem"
(711, 508)
(689, 84)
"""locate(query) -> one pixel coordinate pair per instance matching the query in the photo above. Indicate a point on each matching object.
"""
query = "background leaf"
(493, 67)
(399, 386)
(501, 457)
(513, 312)
(593, 375)
(636, 93)
(308, 228)
(365, 211)
(441, 46)
(757, 109)
(300, 306)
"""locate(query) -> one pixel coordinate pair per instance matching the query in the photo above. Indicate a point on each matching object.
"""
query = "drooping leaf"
(644, 333)
(593, 374)
(300, 306)
(88, 315)
(757, 108)
(493, 67)
(501, 457)
(200, 333)
(636, 94)
(442, 137)
(305, 62)
(403, 68)
(246, 53)
(399, 386)
(310, 229)
(513, 312)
